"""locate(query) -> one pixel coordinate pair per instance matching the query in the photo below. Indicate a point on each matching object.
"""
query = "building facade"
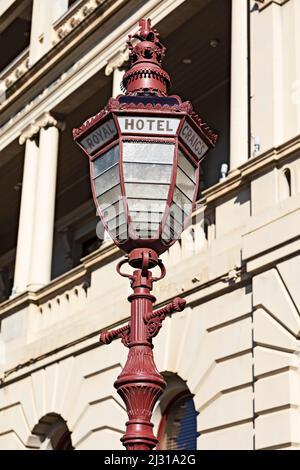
(231, 359)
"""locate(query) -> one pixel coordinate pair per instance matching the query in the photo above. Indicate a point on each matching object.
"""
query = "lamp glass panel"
(147, 168)
(177, 213)
(106, 180)
(186, 166)
(146, 222)
(172, 227)
(145, 227)
(149, 191)
(147, 152)
(181, 206)
(185, 184)
(153, 217)
(182, 201)
(116, 221)
(120, 232)
(147, 172)
(106, 160)
(146, 205)
(111, 196)
(111, 212)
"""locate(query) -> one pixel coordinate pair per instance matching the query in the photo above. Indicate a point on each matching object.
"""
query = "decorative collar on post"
(146, 75)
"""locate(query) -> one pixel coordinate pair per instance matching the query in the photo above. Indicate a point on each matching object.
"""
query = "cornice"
(254, 166)
(15, 70)
(106, 253)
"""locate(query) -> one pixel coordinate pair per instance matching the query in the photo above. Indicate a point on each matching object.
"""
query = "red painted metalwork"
(145, 87)
(146, 75)
(140, 384)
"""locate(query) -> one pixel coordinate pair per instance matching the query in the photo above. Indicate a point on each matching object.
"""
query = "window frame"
(165, 415)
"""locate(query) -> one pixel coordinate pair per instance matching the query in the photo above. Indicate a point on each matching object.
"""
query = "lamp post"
(144, 148)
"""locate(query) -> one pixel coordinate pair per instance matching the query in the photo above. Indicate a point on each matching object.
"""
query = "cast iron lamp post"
(144, 148)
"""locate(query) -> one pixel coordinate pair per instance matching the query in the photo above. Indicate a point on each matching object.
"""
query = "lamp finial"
(146, 75)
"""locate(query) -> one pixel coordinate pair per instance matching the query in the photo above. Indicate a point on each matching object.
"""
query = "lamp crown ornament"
(146, 57)
(149, 48)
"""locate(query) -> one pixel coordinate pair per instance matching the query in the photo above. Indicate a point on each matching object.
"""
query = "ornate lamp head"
(145, 149)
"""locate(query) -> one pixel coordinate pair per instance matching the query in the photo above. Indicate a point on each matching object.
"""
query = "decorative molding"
(251, 167)
(117, 61)
(15, 70)
(75, 276)
(114, 105)
(43, 122)
(74, 18)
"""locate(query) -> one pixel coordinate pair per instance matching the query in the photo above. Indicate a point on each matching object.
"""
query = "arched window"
(53, 433)
(178, 425)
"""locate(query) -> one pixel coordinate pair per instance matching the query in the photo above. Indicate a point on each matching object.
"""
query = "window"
(178, 426)
(53, 433)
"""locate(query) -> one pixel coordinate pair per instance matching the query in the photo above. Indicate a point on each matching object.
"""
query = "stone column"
(115, 66)
(274, 69)
(239, 84)
(27, 208)
(117, 79)
(44, 14)
(40, 270)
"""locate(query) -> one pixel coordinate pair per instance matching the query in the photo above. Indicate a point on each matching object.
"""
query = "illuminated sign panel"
(148, 125)
(193, 141)
(99, 137)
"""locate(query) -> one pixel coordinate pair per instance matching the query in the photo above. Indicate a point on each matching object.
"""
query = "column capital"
(117, 61)
(43, 122)
(28, 133)
(50, 120)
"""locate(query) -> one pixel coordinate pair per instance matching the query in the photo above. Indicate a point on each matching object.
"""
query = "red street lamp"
(144, 148)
